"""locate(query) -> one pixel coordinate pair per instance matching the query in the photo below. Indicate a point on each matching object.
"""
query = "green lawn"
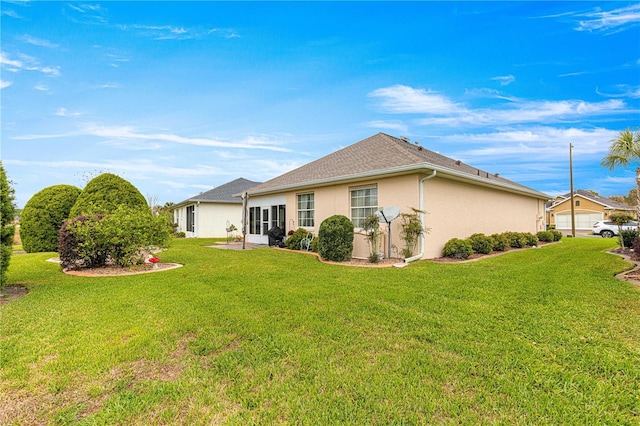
(540, 336)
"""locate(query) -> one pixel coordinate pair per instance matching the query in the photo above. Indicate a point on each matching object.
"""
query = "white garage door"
(583, 220)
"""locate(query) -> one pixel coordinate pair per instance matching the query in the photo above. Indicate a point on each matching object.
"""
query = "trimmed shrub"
(457, 248)
(78, 245)
(480, 243)
(515, 239)
(7, 214)
(557, 235)
(530, 239)
(335, 238)
(120, 238)
(105, 193)
(545, 236)
(294, 240)
(43, 215)
(500, 242)
(627, 236)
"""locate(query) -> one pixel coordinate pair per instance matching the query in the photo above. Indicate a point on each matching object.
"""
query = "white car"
(608, 229)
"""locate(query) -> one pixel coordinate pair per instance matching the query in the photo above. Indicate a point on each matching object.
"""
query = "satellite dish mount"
(386, 215)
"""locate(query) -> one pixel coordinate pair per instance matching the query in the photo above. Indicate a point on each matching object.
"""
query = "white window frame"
(361, 206)
(306, 220)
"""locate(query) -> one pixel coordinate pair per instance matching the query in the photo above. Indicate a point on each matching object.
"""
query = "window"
(254, 220)
(577, 203)
(305, 210)
(191, 215)
(278, 217)
(364, 202)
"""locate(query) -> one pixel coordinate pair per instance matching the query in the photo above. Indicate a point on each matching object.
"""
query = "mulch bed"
(113, 270)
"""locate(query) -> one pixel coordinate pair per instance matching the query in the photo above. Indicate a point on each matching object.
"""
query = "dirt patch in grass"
(13, 292)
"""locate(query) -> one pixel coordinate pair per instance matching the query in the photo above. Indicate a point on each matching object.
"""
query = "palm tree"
(624, 150)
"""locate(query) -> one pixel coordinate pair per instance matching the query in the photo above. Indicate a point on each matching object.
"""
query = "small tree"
(43, 215)
(620, 219)
(371, 228)
(335, 238)
(411, 230)
(7, 214)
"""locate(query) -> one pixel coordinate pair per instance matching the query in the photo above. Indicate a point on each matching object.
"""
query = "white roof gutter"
(421, 208)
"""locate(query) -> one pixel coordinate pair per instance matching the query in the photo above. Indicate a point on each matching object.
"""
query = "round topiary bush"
(105, 193)
(457, 248)
(545, 236)
(335, 238)
(500, 242)
(43, 215)
(530, 240)
(557, 235)
(516, 239)
(481, 243)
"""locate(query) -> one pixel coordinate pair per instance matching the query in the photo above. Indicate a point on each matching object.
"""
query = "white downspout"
(421, 208)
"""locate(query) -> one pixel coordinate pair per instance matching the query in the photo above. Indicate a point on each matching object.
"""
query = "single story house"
(208, 214)
(384, 171)
(588, 208)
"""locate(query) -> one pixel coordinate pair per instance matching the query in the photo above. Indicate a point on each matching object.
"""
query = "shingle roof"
(223, 193)
(381, 154)
(607, 202)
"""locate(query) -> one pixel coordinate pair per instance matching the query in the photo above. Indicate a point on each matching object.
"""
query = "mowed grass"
(539, 336)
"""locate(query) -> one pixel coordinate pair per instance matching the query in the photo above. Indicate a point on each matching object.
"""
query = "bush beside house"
(335, 238)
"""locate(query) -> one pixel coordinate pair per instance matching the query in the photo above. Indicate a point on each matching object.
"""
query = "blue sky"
(180, 97)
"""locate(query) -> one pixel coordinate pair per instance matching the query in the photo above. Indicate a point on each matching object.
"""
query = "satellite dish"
(387, 214)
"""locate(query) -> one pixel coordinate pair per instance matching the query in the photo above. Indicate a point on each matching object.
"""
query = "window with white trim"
(254, 220)
(306, 208)
(364, 202)
(191, 218)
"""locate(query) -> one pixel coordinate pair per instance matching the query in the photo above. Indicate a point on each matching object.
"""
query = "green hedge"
(43, 215)
(105, 193)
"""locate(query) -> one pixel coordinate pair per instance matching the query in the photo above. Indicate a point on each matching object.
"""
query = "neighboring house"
(383, 171)
(209, 213)
(588, 209)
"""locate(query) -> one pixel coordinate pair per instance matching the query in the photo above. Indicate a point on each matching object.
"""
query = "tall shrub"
(79, 245)
(105, 193)
(410, 231)
(43, 215)
(371, 229)
(335, 238)
(7, 213)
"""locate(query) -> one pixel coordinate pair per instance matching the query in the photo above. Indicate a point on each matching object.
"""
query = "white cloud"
(440, 110)
(391, 125)
(133, 166)
(612, 21)
(63, 112)
(4, 84)
(400, 99)
(38, 41)
(504, 80)
(4, 60)
(26, 63)
(119, 134)
(171, 32)
(536, 143)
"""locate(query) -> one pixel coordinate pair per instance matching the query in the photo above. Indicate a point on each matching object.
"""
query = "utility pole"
(573, 216)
